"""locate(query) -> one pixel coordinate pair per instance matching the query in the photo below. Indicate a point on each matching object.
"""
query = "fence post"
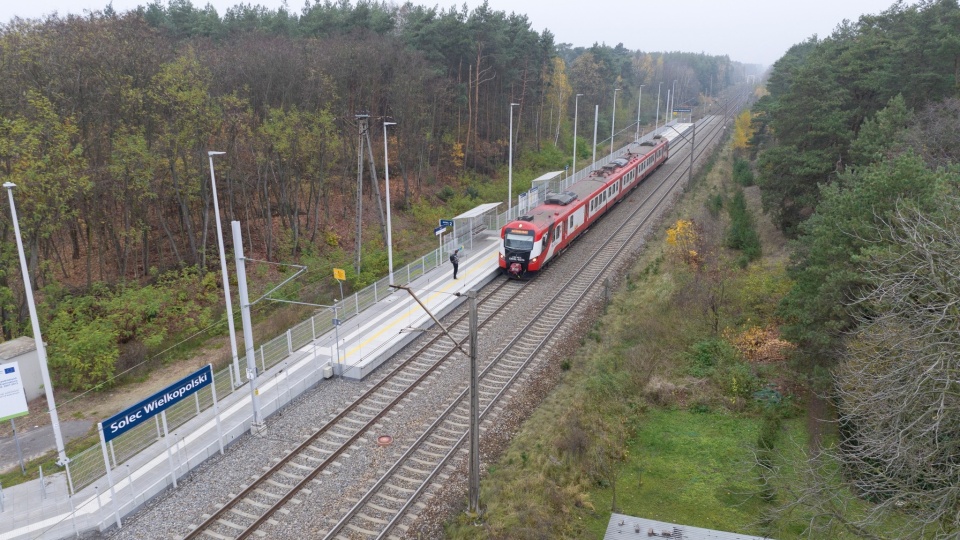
(289, 343)
(263, 361)
(133, 491)
(69, 479)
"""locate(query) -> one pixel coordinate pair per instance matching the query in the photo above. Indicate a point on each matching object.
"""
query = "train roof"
(554, 205)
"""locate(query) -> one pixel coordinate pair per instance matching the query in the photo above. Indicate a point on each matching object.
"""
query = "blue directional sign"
(130, 418)
(446, 223)
(439, 230)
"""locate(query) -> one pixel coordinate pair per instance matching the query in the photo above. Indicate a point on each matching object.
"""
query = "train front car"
(519, 248)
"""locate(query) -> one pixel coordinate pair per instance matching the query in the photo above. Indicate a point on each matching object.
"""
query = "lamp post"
(62, 458)
(596, 116)
(639, 103)
(386, 171)
(575, 104)
(656, 124)
(510, 166)
(667, 115)
(223, 272)
(673, 98)
(613, 119)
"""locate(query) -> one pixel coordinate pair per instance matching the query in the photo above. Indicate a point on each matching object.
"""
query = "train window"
(558, 233)
(520, 242)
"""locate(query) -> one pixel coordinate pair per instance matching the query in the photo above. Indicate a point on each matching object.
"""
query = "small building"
(23, 350)
(623, 527)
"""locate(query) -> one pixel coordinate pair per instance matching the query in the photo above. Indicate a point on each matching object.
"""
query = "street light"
(667, 115)
(62, 458)
(613, 120)
(386, 171)
(673, 98)
(639, 103)
(575, 104)
(223, 272)
(656, 124)
(510, 165)
(596, 116)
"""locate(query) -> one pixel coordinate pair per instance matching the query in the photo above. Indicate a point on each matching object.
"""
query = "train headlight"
(501, 256)
(533, 260)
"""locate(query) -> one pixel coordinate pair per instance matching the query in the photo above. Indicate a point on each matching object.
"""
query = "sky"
(748, 31)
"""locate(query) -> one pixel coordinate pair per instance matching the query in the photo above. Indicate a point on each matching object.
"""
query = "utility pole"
(250, 352)
(693, 146)
(362, 122)
(474, 505)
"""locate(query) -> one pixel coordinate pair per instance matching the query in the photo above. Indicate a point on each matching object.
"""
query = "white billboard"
(13, 402)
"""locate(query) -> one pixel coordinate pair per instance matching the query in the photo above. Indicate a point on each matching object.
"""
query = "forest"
(856, 149)
(106, 120)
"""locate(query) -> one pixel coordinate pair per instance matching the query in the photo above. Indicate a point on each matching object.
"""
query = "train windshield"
(518, 242)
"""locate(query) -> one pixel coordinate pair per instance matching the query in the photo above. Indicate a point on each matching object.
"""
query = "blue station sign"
(446, 223)
(130, 418)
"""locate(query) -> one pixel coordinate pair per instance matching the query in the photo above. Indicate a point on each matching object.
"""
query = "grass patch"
(690, 468)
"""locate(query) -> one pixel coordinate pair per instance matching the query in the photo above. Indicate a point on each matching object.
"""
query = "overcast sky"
(749, 31)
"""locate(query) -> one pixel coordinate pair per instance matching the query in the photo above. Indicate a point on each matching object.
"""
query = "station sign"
(682, 110)
(446, 223)
(132, 417)
(439, 230)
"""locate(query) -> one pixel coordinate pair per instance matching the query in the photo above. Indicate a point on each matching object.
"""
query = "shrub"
(705, 356)
(743, 234)
(446, 193)
(715, 204)
(742, 173)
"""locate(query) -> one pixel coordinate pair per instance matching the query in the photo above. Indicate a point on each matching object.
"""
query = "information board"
(13, 401)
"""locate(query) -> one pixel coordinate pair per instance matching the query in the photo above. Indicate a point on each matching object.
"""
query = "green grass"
(690, 468)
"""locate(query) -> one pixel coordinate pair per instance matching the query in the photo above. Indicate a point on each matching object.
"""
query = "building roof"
(623, 527)
(17, 347)
(478, 211)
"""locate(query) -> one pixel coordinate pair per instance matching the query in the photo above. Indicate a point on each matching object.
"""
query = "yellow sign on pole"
(339, 274)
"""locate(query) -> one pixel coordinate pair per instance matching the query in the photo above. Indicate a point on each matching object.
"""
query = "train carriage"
(528, 243)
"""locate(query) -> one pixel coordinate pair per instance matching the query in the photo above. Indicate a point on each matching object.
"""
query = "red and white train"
(535, 238)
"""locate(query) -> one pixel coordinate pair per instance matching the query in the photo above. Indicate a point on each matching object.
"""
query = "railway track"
(387, 501)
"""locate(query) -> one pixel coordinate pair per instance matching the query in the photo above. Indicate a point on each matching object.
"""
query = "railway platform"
(44, 510)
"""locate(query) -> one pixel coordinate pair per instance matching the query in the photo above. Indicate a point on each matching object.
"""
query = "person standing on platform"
(455, 260)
